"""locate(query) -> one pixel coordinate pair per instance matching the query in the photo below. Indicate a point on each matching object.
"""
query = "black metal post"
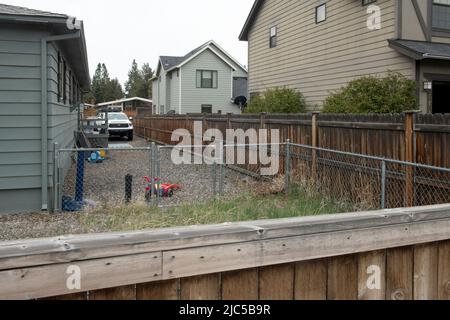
(128, 188)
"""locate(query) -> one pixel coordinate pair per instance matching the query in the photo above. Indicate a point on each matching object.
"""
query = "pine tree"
(139, 84)
(97, 86)
(135, 81)
(103, 88)
(147, 74)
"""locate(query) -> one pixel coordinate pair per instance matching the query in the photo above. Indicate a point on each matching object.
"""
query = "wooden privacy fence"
(407, 137)
(390, 254)
(370, 183)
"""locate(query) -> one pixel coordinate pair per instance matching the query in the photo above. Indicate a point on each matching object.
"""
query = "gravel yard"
(104, 184)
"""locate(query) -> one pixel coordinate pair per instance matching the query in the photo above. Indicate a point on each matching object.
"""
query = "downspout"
(44, 112)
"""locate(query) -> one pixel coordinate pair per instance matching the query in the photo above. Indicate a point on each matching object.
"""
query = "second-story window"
(321, 13)
(367, 2)
(441, 14)
(207, 79)
(273, 37)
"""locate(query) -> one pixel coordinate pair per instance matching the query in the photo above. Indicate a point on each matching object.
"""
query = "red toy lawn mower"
(162, 190)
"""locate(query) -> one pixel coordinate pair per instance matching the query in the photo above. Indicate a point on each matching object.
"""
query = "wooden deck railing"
(405, 251)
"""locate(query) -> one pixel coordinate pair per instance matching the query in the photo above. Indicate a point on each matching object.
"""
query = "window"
(207, 108)
(207, 79)
(367, 2)
(273, 37)
(441, 14)
(321, 13)
(162, 109)
(118, 116)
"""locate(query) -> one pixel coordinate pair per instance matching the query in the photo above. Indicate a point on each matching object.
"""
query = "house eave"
(58, 25)
(422, 52)
(250, 19)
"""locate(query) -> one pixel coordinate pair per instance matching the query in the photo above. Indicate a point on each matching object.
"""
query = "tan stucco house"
(317, 46)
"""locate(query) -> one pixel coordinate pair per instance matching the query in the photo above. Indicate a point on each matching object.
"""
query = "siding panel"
(220, 98)
(317, 58)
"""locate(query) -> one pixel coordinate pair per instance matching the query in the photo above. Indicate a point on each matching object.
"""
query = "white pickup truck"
(118, 124)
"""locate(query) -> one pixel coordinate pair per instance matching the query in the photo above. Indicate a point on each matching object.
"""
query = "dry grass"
(264, 202)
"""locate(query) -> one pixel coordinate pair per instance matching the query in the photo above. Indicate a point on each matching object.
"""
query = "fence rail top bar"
(418, 165)
(104, 149)
(65, 249)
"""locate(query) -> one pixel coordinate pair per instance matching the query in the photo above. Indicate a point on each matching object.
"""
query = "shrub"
(392, 94)
(277, 100)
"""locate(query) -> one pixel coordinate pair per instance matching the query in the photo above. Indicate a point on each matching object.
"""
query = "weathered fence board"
(118, 293)
(52, 280)
(311, 280)
(399, 274)
(444, 271)
(240, 285)
(369, 264)
(376, 135)
(201, 288)
(426, 272)
(327, 257)
(343, 278)
(277, 282)
(161, 290)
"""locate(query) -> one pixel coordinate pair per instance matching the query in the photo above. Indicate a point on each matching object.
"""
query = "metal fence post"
(383, 184)
(287, 168)
(55, 177)
(214, 176)
(79, 185)
(158, 173)
(152, 172)
(221, 174)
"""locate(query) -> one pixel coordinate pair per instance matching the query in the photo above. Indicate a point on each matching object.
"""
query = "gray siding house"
(206, 80)
(43, 71)
(317, 46)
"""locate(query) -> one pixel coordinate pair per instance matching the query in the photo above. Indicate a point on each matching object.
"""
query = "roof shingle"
(15, 10)
(169, 62)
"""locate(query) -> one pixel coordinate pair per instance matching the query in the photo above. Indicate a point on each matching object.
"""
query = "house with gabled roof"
(43, 73)
(206, 80)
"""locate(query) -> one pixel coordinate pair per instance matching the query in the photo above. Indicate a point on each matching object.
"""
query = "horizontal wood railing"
(323, 257)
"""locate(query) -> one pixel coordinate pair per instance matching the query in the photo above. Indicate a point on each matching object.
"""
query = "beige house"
(317, 46)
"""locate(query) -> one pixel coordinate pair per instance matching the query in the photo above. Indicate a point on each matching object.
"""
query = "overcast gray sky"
(119, 31)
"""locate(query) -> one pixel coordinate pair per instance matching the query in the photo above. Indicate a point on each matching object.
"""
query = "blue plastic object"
(96, 157)
(71, 205)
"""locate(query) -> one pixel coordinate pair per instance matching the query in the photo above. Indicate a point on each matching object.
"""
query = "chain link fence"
(101, 177)
(364, 181)
(112, 177)
(106, 178)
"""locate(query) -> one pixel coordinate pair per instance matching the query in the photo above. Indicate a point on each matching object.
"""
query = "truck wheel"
(130, 136)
